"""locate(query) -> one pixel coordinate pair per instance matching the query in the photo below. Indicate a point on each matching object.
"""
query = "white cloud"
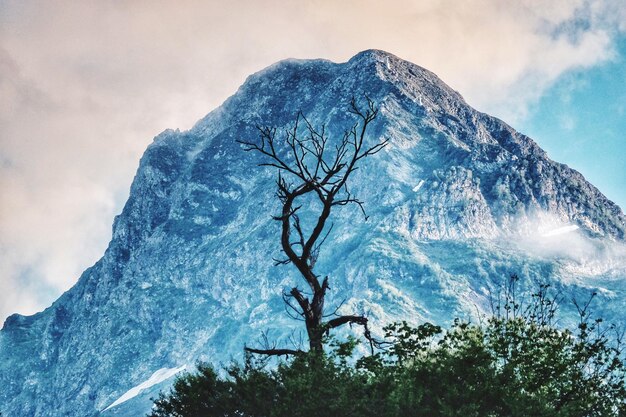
(84, 86)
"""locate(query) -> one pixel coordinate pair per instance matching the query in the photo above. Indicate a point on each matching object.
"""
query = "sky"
(85, 86)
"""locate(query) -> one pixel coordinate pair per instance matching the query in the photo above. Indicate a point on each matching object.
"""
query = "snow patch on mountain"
(156, 378)
(560, 230)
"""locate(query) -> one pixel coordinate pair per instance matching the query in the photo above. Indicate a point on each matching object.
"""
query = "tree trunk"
(314, 324)
(315, 338)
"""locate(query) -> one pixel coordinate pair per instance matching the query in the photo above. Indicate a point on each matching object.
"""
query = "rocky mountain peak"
(457, 202)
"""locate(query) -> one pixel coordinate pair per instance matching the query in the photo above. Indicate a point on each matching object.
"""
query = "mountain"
(457, 202)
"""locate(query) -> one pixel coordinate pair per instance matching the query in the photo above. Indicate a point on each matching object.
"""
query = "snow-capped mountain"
(457, 202)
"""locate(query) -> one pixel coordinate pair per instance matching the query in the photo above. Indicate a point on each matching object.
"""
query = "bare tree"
(310, 165)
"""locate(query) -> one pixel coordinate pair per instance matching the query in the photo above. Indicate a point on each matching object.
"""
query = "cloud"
(580, 257)
(84, 86)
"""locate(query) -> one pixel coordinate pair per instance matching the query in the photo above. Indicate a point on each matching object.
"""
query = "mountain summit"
(457, 202)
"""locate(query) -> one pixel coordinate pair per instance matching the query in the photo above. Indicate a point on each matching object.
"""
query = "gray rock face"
(456, 203)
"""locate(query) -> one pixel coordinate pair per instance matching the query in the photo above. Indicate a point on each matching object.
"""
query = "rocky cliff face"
(456, 203)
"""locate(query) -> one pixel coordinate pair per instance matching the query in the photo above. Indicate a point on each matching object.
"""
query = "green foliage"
(516, 363)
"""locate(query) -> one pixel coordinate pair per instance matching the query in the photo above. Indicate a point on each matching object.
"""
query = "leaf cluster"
(515, 366)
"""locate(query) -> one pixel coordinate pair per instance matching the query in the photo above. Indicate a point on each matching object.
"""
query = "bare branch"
(319, 168)
(281, 261)
(352, 319)
(303, 302)
(316, 250)
(341, 320)
(274, 352)
(334, 313)
(297, 344)
(291, 310)
(270, 349)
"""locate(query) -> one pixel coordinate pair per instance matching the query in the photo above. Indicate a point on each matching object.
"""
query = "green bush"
(515, 363)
